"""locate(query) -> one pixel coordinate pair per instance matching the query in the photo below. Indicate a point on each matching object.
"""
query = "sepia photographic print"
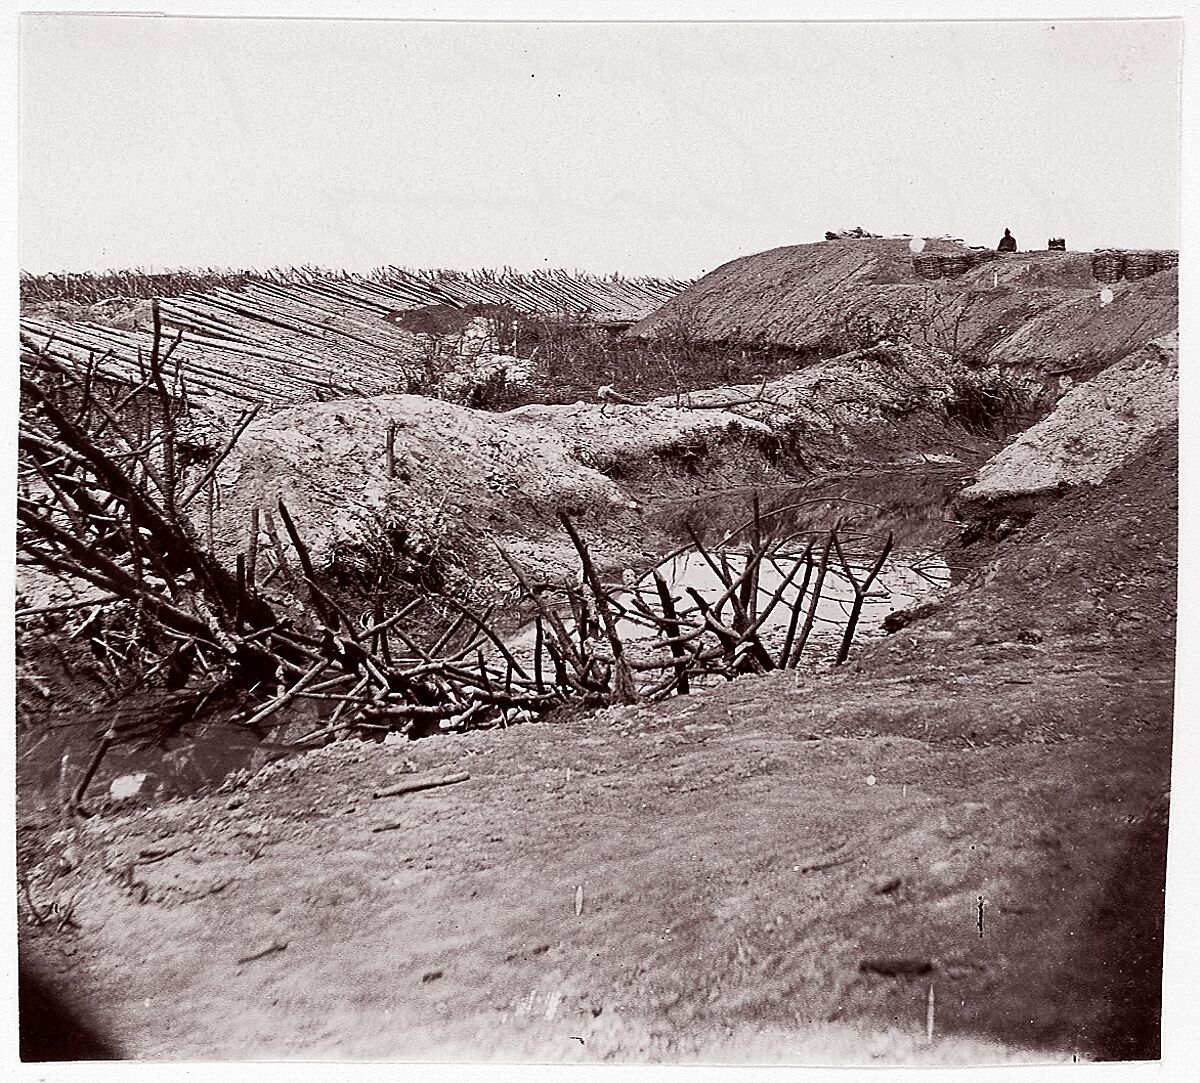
(618, 542)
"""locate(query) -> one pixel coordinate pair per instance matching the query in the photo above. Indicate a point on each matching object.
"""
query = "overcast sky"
(644, 148)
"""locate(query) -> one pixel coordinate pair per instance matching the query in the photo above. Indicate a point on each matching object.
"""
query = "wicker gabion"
(954, 265)
(976, 256)
(928, 265)
(1166, 261)
(1108, 266)
(1140, 265)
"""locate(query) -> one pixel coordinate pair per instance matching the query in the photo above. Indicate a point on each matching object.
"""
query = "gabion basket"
(1140, 265)
(928, 265)
(1108, 266)
(954, 265)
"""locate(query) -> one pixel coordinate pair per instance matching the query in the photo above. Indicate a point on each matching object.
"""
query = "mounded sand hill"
(1034, 313)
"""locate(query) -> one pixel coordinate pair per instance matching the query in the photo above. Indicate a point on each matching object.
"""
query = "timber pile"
(319, 336)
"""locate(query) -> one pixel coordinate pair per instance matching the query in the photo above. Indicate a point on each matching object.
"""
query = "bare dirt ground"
(777, 869)
(949, 851)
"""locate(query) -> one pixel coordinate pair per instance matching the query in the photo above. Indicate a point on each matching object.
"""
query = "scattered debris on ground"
(949, 849)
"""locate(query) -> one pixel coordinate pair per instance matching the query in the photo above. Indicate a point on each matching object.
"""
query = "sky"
(652, 148)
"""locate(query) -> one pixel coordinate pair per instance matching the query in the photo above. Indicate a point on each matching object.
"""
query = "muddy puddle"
(905, 580)
(201, 754)
(156, 768)
(908, 501)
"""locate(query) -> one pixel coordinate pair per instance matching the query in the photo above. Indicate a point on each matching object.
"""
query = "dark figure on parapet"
(1008, 243)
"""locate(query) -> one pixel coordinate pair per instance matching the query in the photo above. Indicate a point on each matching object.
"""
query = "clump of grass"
(986, 404)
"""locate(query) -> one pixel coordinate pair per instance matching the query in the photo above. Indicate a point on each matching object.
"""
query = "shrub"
(986, 404)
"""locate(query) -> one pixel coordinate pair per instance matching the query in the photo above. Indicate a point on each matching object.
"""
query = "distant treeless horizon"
(640, 148)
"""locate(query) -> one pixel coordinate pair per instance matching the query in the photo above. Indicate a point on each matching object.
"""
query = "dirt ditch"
(197, 754)
(949, 849)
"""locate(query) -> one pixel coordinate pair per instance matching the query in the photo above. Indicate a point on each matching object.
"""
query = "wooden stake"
(671, 625)
(74, 805)
(623, 686)
(860, 593)
(252, 549)
(822, 568)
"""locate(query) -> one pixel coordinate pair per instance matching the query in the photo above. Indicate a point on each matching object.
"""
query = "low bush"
(987, 404)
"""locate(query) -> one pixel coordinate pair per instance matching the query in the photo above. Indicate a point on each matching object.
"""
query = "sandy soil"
(768, 870)
(1093, 430)
(950, 850)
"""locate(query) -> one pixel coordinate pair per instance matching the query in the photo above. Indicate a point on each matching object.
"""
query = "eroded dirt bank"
(1095, 428)
(424, 490)
(1037, 315)
(767, 870)
(960, 833)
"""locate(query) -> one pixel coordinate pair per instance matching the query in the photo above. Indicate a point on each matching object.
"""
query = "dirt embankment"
(1037, 315)
(461, 480)
(870, 406)
(779, 869)
(1094, 430)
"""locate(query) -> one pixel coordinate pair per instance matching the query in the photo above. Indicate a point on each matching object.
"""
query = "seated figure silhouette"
(1008, 243)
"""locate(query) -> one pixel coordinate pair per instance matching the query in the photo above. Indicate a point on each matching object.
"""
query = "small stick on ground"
(425, 783)
(270, 949)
